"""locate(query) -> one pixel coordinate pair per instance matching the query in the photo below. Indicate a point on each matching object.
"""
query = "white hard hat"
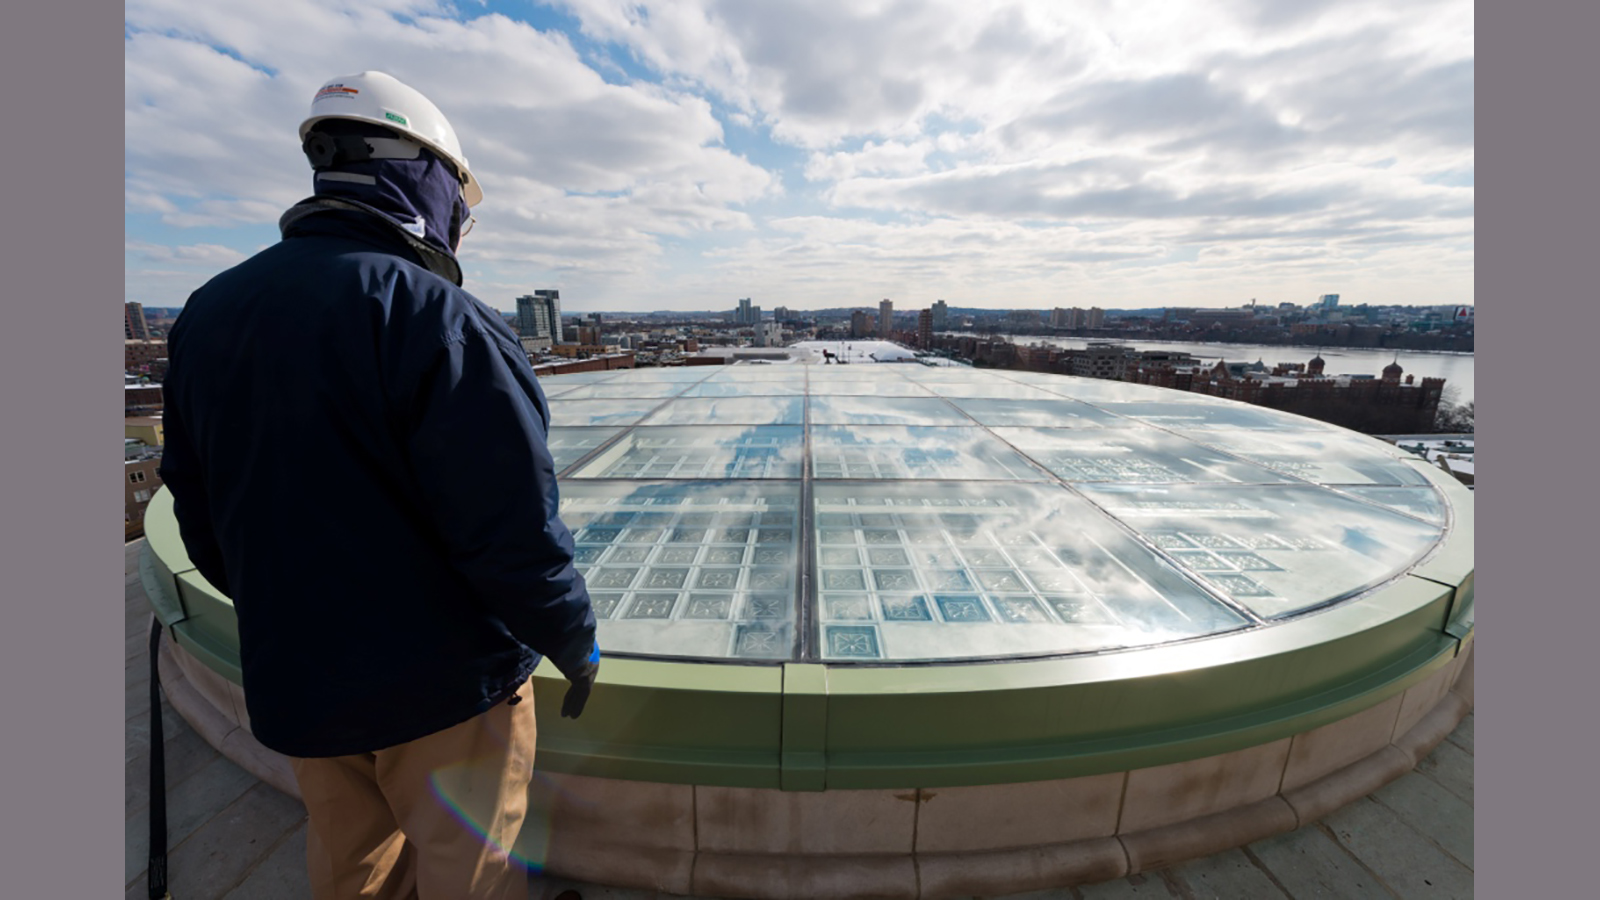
(382, 99)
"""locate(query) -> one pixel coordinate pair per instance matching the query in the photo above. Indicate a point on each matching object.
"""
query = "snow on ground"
(860, 351)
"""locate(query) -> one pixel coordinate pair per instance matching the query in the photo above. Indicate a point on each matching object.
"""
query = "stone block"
(757, 876)
(1006, 816)
(756, 820)
(1320, 751)
(1166, 795)
(999, 872)
(1193, 838)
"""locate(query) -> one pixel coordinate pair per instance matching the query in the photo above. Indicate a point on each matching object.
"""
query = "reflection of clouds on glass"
(707, 451)
(731, 411)
(1323, 456)
(872, 411)
(598, 412)
(1306, 546)
(1057, 413)
(900, 451)
(1135, 454)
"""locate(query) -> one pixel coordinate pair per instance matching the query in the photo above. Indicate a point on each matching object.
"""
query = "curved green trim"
(815, 727)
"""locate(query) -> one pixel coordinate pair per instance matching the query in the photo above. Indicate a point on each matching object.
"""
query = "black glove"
(582, 680)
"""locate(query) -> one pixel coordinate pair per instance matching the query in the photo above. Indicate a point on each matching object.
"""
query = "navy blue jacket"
(356, 448)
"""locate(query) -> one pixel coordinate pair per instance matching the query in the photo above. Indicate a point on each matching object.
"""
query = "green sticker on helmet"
(395, 117)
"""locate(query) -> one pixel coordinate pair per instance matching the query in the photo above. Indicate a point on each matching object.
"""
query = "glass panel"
(625, 388)
(705, 451)
(732, 411)
(1057, 413)
(689, 569)
(1323, 457)
(1094, 390)
(873, 411)
(792, 388)
(860, 371)
(889, 451)
(599, 412)
(1274, 549)
(568, 445)
(673, 374)
(1423, 502)
(1008, 390)
(898, 387)
(572, 378)
(1135, 454)
(552, 391)
(961, 570)
(958, 374)
(745, 372)
(1179, 416)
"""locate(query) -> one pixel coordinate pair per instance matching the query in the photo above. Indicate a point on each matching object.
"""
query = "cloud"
(200, 254)
(213, 97)
(1005, 149)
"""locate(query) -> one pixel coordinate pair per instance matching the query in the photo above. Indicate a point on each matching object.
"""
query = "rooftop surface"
(231, 837)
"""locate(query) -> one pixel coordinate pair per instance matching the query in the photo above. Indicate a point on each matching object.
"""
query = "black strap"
(157, 866)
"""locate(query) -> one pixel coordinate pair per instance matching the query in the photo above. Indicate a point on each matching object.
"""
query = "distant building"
(142, 399)
(885, 318)
(941, 314)
(138, 354)
(781, 314)
(1101, 360)
(539, 317)
(925, 329)
(860, 324)
(147, 430)
(140, 478)
(1059, 317)
(746, 313)
(134, 326)
(1328, 301)
(769, 334)
(1096, 317)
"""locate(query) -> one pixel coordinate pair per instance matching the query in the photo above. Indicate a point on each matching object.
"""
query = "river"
(1454, 368)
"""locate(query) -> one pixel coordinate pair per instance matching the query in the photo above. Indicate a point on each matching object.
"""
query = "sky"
(827, 153)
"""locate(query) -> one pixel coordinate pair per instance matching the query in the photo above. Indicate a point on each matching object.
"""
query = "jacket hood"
(432, 258)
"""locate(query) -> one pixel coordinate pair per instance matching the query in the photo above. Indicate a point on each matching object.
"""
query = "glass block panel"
(1273, 549)
(706, 451)
(1324, 456)
(568, 445)
(1132, 455)
(1057, 413)
(889, 451)
(959, 569)
(732, 411)
(828, 410)
(678, 564)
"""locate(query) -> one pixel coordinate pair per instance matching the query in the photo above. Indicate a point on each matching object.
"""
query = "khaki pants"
(432, 819)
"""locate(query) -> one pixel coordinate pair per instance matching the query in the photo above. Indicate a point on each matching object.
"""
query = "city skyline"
(649, 156)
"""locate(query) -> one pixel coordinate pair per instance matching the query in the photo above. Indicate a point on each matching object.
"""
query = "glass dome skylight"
(900, 513)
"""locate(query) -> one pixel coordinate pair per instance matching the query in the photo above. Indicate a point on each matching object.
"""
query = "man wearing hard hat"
(356, 449)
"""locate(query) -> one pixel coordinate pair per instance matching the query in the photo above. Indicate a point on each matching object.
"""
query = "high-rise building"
(860, 324)
(1096, 318)
(746, 314)
(539, 316)
(134, 327)
(781, 314)
(1328, 301)
(1059, 317)
(925, 329)
(941, 313)
(885, 318)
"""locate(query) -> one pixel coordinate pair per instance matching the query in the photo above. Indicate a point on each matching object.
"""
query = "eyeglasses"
(466, 227)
